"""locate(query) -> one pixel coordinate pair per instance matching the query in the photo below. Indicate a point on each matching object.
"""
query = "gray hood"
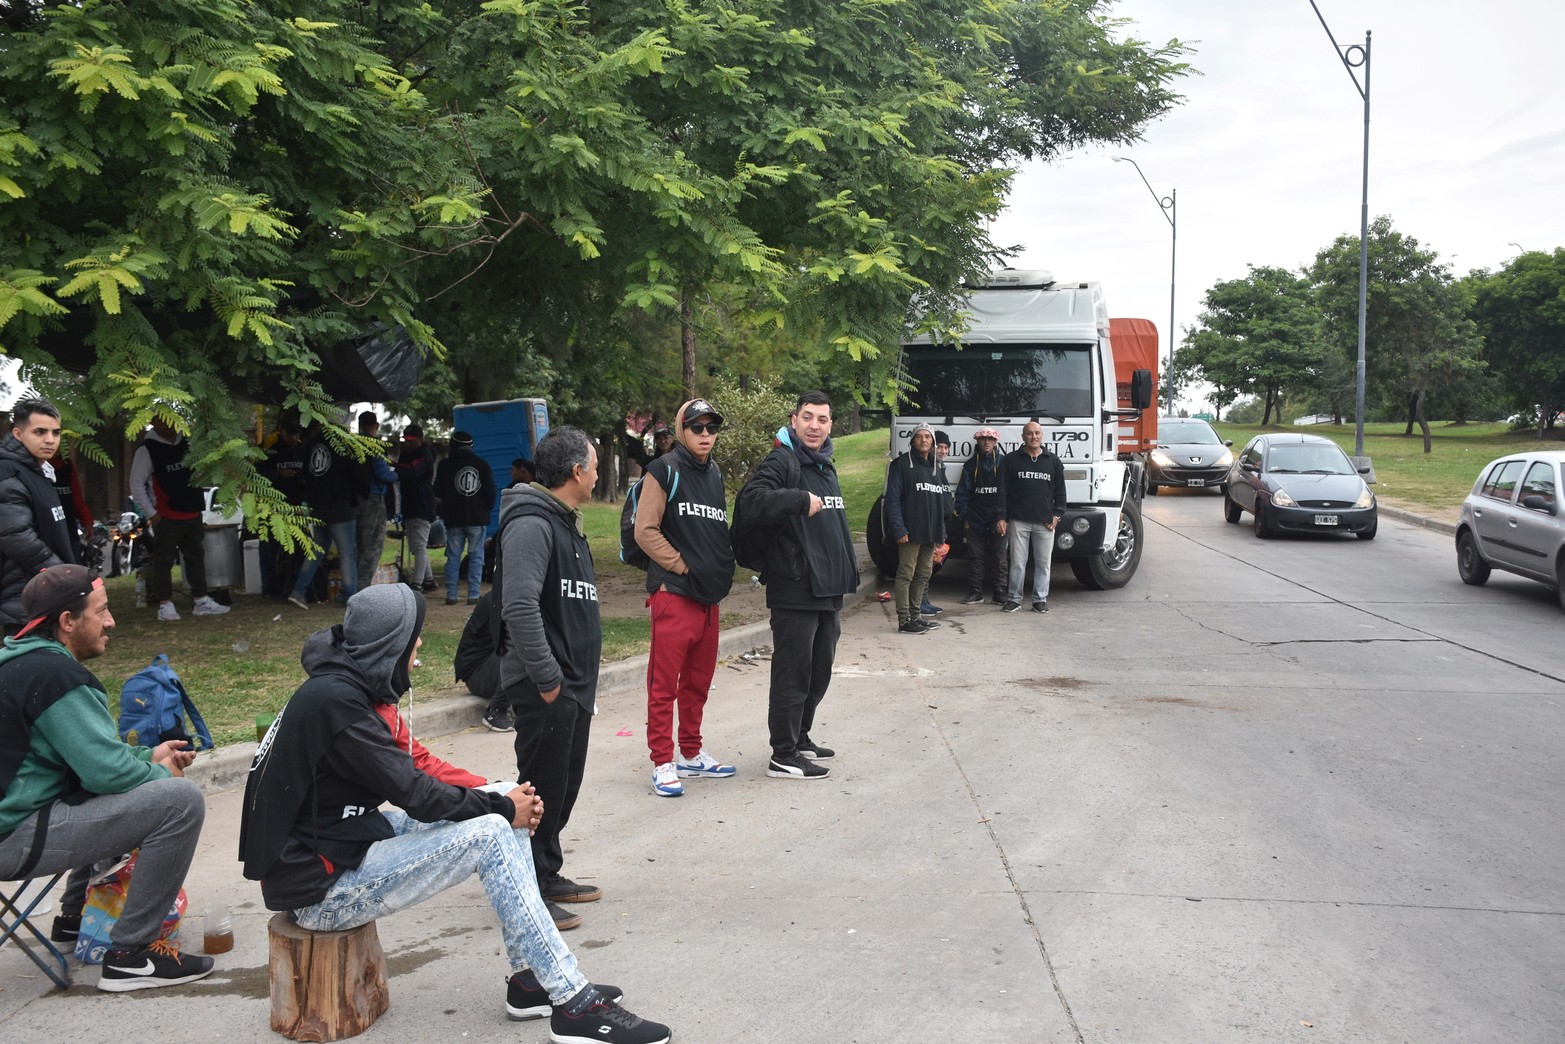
(534, 499)
(373, 643)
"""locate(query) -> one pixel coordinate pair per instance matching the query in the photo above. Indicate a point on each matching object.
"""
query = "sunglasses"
(703, 429)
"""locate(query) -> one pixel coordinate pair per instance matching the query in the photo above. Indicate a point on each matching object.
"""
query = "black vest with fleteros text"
(177, 495)
(695, 521)
(568, 604)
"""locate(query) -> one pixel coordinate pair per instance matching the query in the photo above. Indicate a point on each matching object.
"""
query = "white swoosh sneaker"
(148, 967)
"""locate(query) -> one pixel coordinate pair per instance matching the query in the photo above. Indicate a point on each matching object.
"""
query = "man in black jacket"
(810, 565)
(978, 505)
(334, 484)
(1032, 501)
(312, 833)
(551, 639)
(33, 534)
(465, 491)
(415, 469)
(916, 520)
(682, 525)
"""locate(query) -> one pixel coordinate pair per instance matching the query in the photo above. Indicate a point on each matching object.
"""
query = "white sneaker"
(205, 606)
(167, 613)
(703, 765)
(665, 781)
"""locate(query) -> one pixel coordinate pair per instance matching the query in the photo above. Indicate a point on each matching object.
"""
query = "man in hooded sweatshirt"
(915, 519)
(465, 491)
(313, 834)
(682, 525)
(33, 533)
(550, 640)
(810, 565)
(979, 507)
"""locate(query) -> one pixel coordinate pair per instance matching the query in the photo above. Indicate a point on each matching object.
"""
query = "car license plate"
(1325, 520)
(1195, 482)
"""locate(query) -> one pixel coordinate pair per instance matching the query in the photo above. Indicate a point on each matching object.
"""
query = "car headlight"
(1226, 460)
(1161, 459)
(1281, 498)
(1366, 499)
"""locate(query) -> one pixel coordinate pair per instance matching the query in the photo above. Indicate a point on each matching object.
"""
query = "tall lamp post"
(1355, 57)
(1167, 204)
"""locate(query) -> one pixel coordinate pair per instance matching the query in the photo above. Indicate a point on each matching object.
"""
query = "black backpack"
(630, 552)
(749, 540)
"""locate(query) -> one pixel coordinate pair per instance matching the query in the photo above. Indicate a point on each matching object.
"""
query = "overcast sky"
(1466, 152)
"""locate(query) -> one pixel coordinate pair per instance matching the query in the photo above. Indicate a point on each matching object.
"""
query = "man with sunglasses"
(682, 525)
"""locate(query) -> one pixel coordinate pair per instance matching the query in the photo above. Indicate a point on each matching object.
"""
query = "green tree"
(1418, 337)
(1256, 336)
(1521, 312)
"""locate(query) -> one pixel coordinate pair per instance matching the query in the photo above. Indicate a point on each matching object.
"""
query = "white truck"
(1037, 349)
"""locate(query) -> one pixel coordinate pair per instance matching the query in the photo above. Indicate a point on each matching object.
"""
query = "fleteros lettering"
(1044, 475)
(833, 503)
(580, 589)
(929, 487)
(717, 514)
(57, 513)
(353, 811)
(981, 490)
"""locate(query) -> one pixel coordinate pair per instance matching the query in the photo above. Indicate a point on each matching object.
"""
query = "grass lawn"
(1405, 476)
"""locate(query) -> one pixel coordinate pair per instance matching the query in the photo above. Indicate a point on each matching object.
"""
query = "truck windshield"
(1000, 380)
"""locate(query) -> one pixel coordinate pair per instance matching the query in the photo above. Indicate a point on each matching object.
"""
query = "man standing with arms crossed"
(1032, 499)
(810, 565)
(682, 525)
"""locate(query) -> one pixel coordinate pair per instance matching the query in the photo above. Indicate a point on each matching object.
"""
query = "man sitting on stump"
(313, 835)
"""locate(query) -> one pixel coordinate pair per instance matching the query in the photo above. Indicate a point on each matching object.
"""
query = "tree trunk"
(1423, 423)
(687, 342)
(1412, 410)
(325, 985)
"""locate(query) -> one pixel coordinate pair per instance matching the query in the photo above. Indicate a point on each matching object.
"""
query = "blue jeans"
(425, 859)
(345, 536)
(473, 538)
(1020, 537)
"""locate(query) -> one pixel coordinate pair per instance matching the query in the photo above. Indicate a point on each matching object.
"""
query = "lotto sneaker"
(148, 967)
(602, 1021)
(206, 605)
(167, 613)
(524, 1002)
(795, 766)
(665, 781)
(703, 766)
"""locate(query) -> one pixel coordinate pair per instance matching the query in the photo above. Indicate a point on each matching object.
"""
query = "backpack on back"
(630, 552)
(153, 706)
(749, 540)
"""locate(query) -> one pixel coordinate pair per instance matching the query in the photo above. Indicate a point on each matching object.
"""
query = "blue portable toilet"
(503, 431)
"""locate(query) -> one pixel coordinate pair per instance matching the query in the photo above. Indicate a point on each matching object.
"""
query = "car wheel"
(884, 555)
(1230, 509)
(1559, 581)
(1470, 564)
(1262, 528)
(1369, 534)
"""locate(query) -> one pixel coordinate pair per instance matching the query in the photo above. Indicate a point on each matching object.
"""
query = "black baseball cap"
(699, 408)
(53, 591)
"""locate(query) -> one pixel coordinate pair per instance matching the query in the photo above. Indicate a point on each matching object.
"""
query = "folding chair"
(13, 922)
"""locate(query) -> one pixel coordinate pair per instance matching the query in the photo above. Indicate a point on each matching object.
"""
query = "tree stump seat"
(325, 985)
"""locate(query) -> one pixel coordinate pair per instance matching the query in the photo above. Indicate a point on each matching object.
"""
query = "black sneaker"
(564, 920)
(66, 928)
(975, 598)
(998, 599)
(1040, 607)
(814, 751)
(1010, 607)
(931, 625)
(500, 718)
(913, 626)
(604, 1021)
(795, 766)
(930, 609)
(524, 1002)
(559, 889)
(147, 967)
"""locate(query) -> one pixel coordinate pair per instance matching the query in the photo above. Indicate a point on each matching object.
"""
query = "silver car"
(1514, 520)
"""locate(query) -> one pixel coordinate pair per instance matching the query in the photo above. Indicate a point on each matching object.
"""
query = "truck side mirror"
(1141, 389)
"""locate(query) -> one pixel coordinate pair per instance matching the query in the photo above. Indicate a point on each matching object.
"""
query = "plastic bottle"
(217, 930)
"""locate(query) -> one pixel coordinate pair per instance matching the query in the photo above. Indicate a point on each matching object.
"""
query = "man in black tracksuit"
(312, 831)
(979, 506)
(810, 565)
(916, 520)
(550, 641)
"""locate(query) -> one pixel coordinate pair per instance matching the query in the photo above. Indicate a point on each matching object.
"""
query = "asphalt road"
(1288, 790)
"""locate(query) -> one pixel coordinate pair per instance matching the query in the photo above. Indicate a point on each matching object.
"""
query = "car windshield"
(1183, 433)
(1308, 460)
(1000, 380)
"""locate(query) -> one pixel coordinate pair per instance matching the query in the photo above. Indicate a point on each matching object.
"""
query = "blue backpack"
(153, 705)
(629, 551)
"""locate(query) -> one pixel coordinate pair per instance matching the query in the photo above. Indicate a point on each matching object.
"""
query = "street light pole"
(1169, 206)
(1356, 57)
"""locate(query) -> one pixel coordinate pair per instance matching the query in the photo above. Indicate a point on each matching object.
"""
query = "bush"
(750, 420)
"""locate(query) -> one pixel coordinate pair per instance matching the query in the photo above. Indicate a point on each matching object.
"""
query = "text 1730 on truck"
(1035, 349)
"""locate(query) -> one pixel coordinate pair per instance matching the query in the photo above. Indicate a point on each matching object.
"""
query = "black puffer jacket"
(33, 534)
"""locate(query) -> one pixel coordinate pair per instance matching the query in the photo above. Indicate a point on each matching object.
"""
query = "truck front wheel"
(1114, 567)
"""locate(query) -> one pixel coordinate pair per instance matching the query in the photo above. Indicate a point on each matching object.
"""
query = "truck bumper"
(1080, 533)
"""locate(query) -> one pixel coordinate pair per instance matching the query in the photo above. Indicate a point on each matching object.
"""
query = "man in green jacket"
(72, 793)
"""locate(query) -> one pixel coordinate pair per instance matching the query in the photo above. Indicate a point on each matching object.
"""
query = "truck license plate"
(1195, 482)
(1325, 520)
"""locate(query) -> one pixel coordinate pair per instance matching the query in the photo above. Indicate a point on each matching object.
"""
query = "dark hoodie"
(32, 527)
(916, 495)
(329, 761)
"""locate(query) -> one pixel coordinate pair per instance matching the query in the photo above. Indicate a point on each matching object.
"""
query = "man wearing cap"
(370, 515)
(33, 533)
(465, 493)
(72, 793)
(662, 442)
(979, 507)
(915, 520)
(682, 525)
(415, 469)
(1032, 501)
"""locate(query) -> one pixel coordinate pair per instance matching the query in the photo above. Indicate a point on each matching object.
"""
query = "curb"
(455, 709)
(1436, 524)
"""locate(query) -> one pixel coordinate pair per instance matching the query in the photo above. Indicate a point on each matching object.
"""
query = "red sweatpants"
(679, 671)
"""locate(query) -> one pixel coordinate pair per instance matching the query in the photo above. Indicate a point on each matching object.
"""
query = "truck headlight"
(1081, 525)
(1065, 541)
